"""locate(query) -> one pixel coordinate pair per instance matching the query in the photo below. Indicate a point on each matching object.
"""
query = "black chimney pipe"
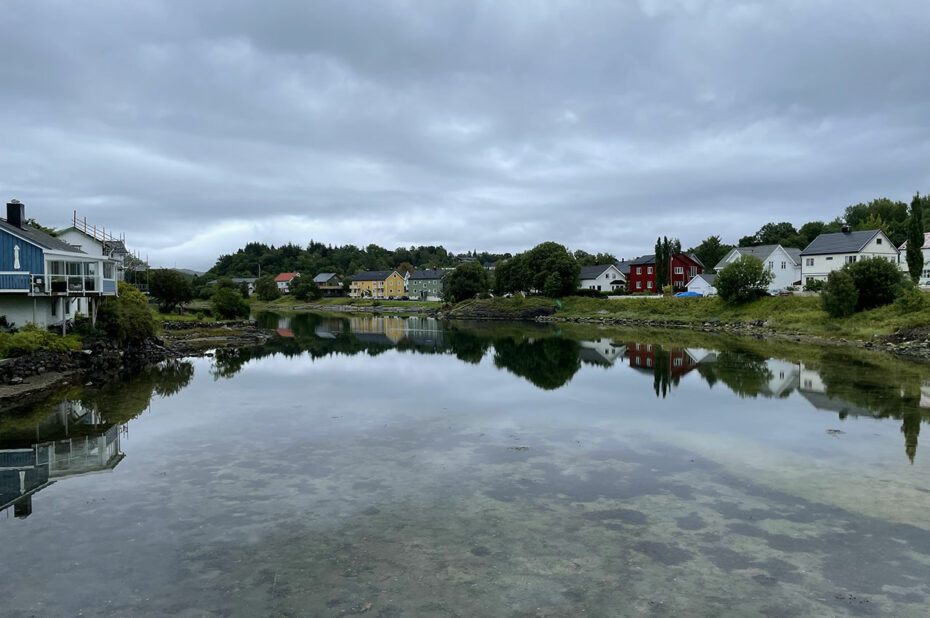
(16, 213)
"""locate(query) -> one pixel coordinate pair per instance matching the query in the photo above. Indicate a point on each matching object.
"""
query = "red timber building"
(683, 267)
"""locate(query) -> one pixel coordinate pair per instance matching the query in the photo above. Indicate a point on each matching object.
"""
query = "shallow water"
(391, 467)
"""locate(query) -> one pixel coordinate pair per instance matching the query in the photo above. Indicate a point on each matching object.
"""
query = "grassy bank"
(802, 314)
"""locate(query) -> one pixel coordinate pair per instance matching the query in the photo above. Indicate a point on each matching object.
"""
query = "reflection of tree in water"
(745, 373)
(121, 400)
(468, 347)
(885, 392)
(548, 363)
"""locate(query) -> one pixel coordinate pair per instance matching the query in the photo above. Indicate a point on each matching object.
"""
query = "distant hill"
(189, 272)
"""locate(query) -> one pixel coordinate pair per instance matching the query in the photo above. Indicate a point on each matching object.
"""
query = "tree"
(306, 289)
(546, 259)
(915, 239)
(466, 281)
(228, 304)
(170, 288)
(404, 267)
(127, 317)
(878, 281)
(782, 233)
(743, 280)
(244, 289)
(839, 296)
(711, 251)
(266, 289)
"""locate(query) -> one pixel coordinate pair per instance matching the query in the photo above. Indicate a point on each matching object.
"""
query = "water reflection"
(849, 383)
(76, 433)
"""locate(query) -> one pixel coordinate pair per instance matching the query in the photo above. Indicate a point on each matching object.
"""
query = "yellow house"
(376, 284)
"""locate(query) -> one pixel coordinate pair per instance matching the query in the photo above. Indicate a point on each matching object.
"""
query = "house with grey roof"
(329, 283)
(829, 252)
(602, 277)
(43, 278)
(783, 262)
(426, 284)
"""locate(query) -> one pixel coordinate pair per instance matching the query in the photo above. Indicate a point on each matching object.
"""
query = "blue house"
(42, 278)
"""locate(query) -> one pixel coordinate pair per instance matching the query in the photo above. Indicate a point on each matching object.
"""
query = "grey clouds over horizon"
(197, 127)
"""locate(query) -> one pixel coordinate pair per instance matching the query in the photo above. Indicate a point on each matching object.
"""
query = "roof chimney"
(15, 213)
(845, 229)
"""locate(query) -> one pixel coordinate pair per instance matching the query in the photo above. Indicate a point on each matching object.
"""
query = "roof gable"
(926, 244)
(427, 274)
(593, 272)
(285, 277)
(39, 238)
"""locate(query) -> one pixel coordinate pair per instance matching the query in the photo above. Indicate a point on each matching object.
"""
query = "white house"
(925, 273)
(784, 262)
(604, 277)
(95, 242)
(284, 281)
(829, 252)
(703, 284)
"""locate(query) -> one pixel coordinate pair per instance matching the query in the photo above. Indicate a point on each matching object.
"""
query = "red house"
(682, 268)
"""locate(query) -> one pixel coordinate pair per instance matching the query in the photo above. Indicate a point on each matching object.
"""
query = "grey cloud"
(475, 125)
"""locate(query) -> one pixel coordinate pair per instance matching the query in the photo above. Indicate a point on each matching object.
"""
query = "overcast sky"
(195, 127)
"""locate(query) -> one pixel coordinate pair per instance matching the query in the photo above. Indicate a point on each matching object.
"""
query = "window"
(878, 241)
(693, 272)
(830, 259)
(649, 284)
(649, 362)
(639, 270)
(809, 262)
(679, 270)
(639, 285)
(850, 259)
(784, 265)
(771, 265)
(107, 270)
(649, 270)
(677, 362)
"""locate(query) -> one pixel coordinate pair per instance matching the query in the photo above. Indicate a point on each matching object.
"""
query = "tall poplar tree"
(915, 239)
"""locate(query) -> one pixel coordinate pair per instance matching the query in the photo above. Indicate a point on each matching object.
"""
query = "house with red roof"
(284, 280)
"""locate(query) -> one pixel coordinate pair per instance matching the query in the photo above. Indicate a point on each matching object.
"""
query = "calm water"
(397, 467)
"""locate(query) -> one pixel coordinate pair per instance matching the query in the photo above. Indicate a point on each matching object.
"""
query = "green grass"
(801, 314)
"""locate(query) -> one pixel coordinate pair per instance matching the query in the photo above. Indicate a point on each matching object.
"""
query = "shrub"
(839, 296)
(127, 317)
(266, 289)
(814, 285)
(911, 300)
(30, 338)
(878, 281)
(588, 293)
(228, 304)
(306, 289)
(743, 280)
(466, 281)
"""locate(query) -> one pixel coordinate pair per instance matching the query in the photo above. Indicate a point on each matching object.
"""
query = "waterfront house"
(284, 281)
(703, 284)
(95, 241)
(925, 249)
(329, 283)
(42, 277)
(603, 277)
(376, 284)
(829, 252)
(683, 267)
(783, 262)
(425, 284)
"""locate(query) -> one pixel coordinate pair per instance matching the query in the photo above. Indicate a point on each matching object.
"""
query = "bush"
(228, 304)
(588, 293)
(127, 317)
(814, 285)
(911, 301)
(306, 289)
(743, 280)
(839, 296)
(878, 281)
(30, 338)
(266, 289)
(466, 281)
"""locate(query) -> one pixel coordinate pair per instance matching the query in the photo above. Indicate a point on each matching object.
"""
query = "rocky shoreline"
(32, 375)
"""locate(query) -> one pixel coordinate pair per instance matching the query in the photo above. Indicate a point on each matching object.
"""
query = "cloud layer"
(196, 127)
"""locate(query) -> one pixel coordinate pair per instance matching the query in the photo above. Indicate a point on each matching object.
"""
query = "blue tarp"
(689, 294)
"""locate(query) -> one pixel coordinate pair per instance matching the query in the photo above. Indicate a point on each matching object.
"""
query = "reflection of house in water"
(812, 387)
(784, 378)
(72, 441)
(601, 352)
(423, 332)
(676, 361)
(377, 329)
